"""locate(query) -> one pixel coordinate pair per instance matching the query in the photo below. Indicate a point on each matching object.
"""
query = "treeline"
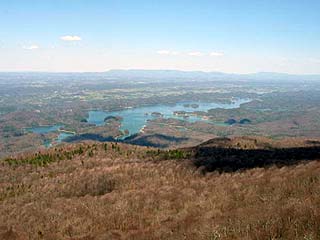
(58, 154)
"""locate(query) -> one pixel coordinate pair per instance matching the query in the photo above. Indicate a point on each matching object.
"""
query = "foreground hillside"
(117, 191)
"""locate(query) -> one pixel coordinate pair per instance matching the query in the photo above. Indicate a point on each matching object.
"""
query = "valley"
(44, 110)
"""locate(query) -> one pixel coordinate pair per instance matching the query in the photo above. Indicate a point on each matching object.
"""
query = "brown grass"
(121, 193)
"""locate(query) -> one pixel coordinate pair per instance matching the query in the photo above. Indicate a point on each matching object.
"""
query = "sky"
(234, 36)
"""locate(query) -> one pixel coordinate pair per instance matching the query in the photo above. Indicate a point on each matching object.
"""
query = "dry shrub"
(112, 196)
(87, 184)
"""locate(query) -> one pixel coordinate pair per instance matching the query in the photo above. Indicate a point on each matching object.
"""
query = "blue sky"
(231, 36)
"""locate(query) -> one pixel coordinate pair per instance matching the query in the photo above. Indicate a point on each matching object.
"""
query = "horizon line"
(161, 69)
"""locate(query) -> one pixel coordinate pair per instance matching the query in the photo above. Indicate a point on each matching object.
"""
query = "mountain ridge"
(120, 191)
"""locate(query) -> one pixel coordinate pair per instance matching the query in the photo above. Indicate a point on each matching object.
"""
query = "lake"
(44, 129)
(134, 119)
(49, 129)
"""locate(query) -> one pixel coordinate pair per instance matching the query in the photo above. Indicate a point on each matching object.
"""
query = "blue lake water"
(44, 129)
(134, 119)
(49, 129)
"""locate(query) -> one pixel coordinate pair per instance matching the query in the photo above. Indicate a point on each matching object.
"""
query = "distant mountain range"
(140, 74)
(165, 74)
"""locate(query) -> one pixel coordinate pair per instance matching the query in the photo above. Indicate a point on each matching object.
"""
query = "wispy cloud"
(31, 47)
(167, 52)
(70, 38)
(216, 54)
(196, 54)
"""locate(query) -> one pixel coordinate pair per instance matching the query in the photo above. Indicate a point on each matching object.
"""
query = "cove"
(48, 129)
